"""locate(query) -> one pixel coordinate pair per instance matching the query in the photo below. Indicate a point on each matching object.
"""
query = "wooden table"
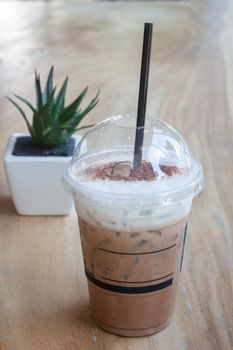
(43, 292)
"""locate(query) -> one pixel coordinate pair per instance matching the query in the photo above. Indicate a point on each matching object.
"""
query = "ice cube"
(122, 169)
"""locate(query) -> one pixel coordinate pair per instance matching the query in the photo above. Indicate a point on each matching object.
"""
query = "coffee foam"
(131, 188)
(128, 206)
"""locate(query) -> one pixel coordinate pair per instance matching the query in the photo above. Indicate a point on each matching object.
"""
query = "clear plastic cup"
(133, 232)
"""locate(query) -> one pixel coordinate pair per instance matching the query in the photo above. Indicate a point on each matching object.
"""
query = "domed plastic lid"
(103, 162)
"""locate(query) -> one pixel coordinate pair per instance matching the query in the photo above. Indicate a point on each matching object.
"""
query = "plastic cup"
(133, 232)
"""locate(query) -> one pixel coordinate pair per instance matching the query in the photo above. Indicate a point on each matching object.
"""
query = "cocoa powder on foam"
(117, 171)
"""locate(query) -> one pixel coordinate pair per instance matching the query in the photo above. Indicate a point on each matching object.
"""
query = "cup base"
(133, 332)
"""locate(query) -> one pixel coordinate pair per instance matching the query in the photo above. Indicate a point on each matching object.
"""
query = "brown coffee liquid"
(132, 276)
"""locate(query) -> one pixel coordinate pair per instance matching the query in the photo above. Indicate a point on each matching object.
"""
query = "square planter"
(35, 182)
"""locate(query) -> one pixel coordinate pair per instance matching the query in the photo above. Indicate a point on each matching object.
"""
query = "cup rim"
(192, 187)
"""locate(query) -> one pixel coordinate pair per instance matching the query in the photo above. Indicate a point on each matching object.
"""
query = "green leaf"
(41, 119)
(49, 86)
(24, 116)
(56, 137)
(59, 101)
(78, 117)
(69, 111)
(69, 128)
(38, 91)
(26, 102)
(52, 122)
(92, 104)
(85, 127)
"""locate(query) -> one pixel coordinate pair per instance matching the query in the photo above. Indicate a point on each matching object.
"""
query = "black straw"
(142, 98)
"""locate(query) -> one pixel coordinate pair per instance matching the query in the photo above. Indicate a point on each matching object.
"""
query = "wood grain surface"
(43, 292)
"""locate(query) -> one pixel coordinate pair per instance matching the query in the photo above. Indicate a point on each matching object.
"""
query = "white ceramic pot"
(35, 182)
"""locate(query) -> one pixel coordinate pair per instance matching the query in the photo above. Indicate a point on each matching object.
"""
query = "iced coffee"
(133, 223)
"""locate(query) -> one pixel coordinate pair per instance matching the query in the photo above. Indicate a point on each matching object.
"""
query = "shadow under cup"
(133, 234)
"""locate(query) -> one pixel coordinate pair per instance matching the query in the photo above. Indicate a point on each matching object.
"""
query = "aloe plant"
(52, 122)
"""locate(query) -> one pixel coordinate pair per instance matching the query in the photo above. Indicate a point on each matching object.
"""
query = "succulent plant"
(52, 122)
